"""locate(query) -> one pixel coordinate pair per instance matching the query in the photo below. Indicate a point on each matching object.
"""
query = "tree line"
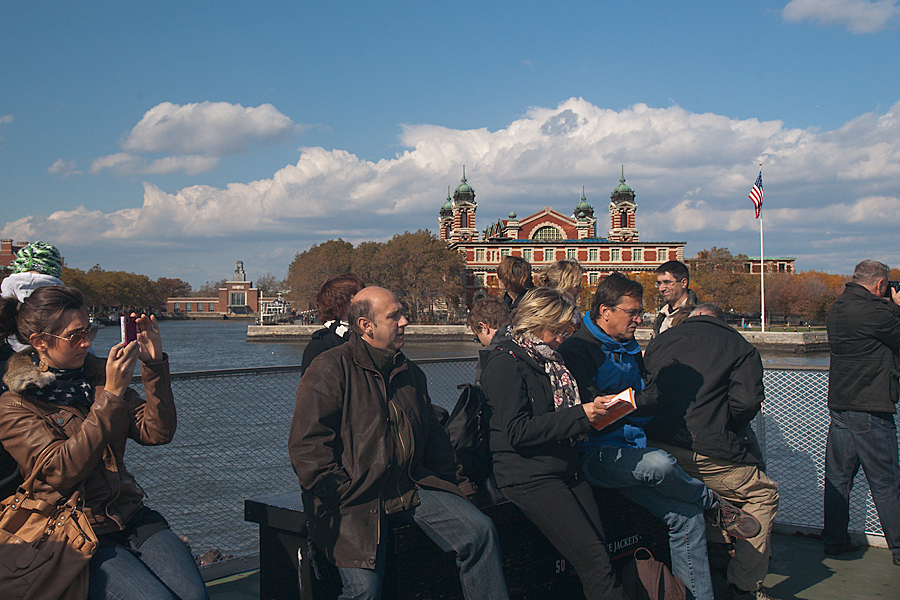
(418, 267)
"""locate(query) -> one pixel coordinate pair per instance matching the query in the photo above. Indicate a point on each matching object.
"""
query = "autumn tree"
(210, 289)
(310, 269)
(419, 268)
(172, 288)
(269, 285)
(719, 277)
(652, 300)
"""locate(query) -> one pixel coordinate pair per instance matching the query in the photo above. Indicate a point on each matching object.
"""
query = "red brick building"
(237, 298)
(549, 235)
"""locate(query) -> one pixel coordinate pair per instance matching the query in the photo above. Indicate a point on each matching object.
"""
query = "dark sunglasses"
(77, 338)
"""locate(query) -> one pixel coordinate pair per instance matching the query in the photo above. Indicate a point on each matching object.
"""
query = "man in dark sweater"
(864, 335)
(709, 381)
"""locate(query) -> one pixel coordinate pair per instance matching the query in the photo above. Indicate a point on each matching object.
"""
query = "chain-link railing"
(793, 428)
(231, 444)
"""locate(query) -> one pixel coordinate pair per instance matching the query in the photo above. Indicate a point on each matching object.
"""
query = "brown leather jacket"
(340, 447)
(94, 437)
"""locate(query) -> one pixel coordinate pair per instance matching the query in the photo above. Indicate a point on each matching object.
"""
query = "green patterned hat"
(40, 257)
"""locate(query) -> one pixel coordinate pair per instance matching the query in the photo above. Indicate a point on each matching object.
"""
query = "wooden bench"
(417, 568)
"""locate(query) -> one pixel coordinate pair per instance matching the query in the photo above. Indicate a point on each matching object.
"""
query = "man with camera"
(864, 335)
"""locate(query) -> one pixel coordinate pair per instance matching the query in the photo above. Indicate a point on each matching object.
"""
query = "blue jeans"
(455, 525)
(869, 440)
(162, 569)
(651, 478)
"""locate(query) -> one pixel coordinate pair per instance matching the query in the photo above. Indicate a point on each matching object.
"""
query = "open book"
(619, 406)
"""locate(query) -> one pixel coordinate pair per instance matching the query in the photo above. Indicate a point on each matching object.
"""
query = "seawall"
(796, 342)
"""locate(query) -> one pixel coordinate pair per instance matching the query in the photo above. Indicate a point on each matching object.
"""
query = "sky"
(174, 139)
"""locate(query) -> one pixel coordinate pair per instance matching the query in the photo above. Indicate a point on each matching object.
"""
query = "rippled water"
(207, 345)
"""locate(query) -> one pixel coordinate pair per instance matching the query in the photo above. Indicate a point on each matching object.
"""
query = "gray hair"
(869, 271)
(710, 310)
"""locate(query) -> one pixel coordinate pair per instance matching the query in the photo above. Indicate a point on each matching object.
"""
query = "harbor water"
(206, 345)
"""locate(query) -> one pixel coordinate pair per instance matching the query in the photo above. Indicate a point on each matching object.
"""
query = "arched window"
(548, 232)
(463, 220)
(447, 232)
(623, 220)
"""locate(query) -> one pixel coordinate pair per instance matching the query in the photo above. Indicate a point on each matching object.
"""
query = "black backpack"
(469, 433)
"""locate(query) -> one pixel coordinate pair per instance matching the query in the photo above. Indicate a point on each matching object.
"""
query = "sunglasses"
(76, 338)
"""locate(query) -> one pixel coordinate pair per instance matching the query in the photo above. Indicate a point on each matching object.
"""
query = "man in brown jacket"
(369, 452)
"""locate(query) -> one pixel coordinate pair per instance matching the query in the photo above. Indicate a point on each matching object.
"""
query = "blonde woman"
(565, 276)
(535, 413)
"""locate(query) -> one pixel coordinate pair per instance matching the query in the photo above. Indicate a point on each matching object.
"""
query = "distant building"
(750, 264)
(547, 236)
(237, 298)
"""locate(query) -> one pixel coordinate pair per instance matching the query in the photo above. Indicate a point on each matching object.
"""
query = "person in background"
(565, 276)
(673, 280)
(535, 414)
(369, 453)
(56, 395)
(864, 334)
(36, 265)
(333, 302)
(514, 277)
(488, 316)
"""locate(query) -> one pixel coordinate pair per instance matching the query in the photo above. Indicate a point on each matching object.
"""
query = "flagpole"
(762, 271)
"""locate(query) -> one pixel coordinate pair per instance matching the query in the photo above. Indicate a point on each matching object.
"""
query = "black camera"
(892, 285)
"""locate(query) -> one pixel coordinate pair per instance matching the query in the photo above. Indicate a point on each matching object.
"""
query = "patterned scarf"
(565, 392)
(69, 388)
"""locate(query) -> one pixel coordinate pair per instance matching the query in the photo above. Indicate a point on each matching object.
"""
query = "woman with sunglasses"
(535, 414)
(56, 394)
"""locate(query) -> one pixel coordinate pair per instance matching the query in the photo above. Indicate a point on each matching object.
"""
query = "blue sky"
(173, 139)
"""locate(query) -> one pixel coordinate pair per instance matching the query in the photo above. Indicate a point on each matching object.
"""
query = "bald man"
(370, 453)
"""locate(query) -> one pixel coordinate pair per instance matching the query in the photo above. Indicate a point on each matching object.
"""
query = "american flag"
(756, 194)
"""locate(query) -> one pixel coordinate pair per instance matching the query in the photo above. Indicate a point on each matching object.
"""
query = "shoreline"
(793, 342)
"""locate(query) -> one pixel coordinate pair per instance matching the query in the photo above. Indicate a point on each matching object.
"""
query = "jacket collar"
(22, 374)
(857, 290)
(606, 342)
(360, 353)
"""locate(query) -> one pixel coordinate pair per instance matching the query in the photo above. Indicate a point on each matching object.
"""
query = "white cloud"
(63, 169)
(691, 173)
(196, 136)
(859, 16)
(208, 129)
(5, 119)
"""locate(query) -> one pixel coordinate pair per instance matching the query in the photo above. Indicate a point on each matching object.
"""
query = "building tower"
(585, 223)
(445, 220)
(621, 213)
(463, 213)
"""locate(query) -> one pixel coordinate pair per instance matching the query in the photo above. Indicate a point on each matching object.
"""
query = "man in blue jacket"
(864, 335)
(605, 359)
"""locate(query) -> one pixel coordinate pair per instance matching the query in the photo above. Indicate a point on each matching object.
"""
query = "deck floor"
(798, 570)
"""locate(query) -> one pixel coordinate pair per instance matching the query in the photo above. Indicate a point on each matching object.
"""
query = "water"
(208, 345)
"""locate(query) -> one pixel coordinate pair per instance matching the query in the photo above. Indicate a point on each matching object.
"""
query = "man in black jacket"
(864, 335)
(709, 380)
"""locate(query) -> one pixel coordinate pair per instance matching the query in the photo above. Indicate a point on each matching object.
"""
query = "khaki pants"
(744, 486)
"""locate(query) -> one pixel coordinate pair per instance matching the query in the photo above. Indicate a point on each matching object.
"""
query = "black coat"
(341, 448)
(529, 439)
(709, 380)
(864, 335)
(322, 340)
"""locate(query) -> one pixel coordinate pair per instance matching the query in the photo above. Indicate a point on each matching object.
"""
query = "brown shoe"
(735, 521)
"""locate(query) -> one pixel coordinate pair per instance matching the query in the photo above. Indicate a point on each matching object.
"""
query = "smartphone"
(129, 329)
